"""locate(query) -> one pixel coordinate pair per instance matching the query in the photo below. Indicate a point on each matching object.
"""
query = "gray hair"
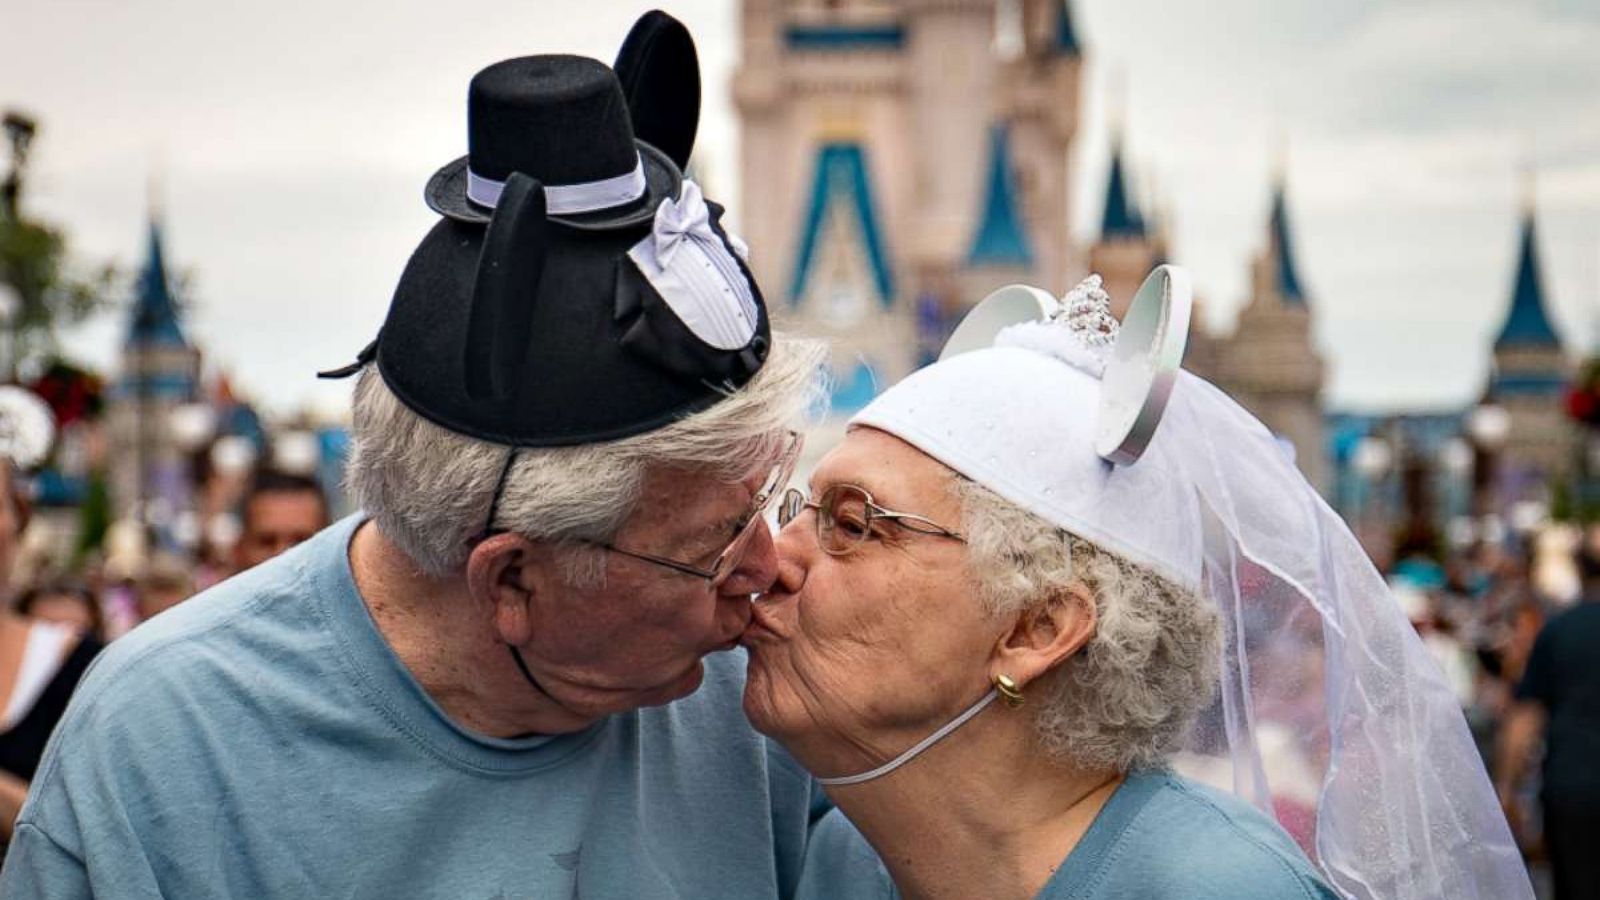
(429, 489)
(1128, 697)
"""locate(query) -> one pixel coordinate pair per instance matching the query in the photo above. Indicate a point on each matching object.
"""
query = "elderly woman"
(966, 543)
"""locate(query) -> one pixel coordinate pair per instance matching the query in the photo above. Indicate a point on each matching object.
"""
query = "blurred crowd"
(1516, 634)
(56, 618)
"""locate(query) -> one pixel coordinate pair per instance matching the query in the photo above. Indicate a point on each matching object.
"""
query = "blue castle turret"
(160, 372)
(1000, 239)
(1527, 350)
(1121, 219)
(1285, 278)
(1128, 247)
(1066, 36)
(1530, 374)
(155, 332)
(1527, 323)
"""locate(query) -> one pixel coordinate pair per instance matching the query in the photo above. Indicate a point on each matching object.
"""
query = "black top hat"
(570, 122)
(525, 325)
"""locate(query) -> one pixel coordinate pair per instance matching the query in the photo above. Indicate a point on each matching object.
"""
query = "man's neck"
(448, 643)
(987, 816)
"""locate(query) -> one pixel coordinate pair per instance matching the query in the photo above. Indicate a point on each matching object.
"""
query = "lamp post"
(1372, 459)
(1488, 426)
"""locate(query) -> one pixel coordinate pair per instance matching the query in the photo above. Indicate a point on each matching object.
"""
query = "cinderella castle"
(906, 167)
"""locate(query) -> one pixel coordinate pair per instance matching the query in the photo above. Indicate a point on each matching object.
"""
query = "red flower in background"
(1580, 404)
(72, 393)
(1583, 398)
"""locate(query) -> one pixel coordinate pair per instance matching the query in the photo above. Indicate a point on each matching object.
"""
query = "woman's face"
(854, 658)
(63, 607)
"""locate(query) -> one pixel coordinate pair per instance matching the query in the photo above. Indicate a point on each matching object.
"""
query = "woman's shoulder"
(1191, 841)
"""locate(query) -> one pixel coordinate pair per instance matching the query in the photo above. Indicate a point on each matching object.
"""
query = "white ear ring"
(1144, 365)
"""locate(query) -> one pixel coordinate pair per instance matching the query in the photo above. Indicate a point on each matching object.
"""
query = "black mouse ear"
(660, 75)
(509, 268)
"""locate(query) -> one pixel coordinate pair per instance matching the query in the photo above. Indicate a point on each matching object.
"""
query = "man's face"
(275, 521)
(638, 638)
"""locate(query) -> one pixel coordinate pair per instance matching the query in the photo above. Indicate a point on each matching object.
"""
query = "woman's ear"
(1046, 634)
(505, 575)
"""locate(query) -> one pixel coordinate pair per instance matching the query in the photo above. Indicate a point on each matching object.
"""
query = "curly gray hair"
(429, 488)
(1128, 697)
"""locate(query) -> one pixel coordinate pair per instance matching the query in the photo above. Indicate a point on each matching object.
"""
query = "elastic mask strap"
(915, 751)
(499, 488)
(488, 529)
(522, 666)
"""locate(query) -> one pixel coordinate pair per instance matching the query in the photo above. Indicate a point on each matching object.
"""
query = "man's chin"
(682, 686)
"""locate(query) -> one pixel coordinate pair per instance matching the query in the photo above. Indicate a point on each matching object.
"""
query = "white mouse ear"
(1010, 305)
(1144, 365)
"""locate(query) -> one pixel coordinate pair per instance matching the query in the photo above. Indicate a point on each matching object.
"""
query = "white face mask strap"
(916, 750)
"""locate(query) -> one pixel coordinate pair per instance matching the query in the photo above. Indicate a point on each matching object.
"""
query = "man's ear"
(506, 573)
(1045, 635)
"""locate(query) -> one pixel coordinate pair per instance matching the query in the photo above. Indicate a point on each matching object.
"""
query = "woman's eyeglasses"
(846, 515)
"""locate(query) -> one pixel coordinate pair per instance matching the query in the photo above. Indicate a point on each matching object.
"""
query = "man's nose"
(757, 567)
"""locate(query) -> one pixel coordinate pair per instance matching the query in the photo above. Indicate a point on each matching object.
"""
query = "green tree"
(45, 291)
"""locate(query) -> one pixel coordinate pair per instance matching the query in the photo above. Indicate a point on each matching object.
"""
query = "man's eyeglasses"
(728, 559)
(846, 515)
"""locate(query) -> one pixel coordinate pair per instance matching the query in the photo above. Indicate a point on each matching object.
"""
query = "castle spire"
(841, 190)
(1121, 218)
(1001, 238)
(1065, 39)
(155, 313)
(1528, 323)
(1285, 275)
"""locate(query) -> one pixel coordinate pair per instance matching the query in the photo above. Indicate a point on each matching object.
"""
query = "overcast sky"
(293, 140)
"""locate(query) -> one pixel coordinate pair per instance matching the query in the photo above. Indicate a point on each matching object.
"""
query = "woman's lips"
(760, 629)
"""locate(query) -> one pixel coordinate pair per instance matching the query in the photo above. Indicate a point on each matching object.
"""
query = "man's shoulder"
(229, 629)
(1579, 624)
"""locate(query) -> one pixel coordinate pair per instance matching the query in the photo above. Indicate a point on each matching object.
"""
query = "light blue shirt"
(1162, 837)
(263, 741)
(1159, 837)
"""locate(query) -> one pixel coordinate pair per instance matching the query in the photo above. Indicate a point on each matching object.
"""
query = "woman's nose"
(793, 546)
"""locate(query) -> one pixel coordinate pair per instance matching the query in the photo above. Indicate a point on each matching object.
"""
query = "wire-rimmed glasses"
(845, 516)
(728, 559)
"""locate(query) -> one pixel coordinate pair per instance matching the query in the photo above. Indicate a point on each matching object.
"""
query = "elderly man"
(565, 437)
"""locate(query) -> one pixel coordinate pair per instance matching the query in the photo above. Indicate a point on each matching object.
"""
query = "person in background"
(1558, 698)
(165, 583)
(40, 664)
(65, 603)
(279, 511)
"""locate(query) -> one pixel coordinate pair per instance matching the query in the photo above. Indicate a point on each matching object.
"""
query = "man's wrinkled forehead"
(680, 508)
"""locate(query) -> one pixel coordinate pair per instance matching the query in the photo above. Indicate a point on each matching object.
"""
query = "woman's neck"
(983, 814)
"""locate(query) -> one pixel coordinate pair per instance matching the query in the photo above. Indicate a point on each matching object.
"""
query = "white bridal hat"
(1331, 714)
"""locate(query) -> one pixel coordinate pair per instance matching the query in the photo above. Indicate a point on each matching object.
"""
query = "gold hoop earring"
(1008, 690)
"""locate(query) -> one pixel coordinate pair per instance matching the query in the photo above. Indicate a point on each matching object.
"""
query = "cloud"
(295, 138)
